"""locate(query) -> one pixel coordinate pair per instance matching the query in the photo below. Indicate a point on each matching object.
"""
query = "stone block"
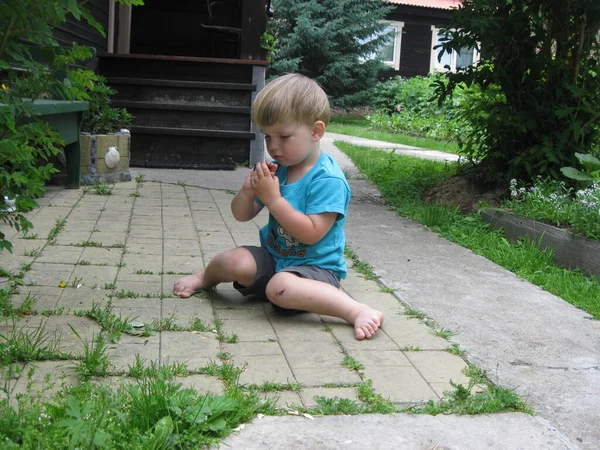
(309, 395)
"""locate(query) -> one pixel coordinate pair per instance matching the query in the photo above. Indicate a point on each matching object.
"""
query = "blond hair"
(291, 98)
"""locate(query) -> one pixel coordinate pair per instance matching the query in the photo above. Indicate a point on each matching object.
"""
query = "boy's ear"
(318, 130)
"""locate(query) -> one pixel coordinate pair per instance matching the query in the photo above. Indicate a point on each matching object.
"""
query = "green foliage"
(101, 118)
(153, 413)
(331, 41)
(591, 171)
(33, 66)
(407, 106)
(557, 204)
(540, 58)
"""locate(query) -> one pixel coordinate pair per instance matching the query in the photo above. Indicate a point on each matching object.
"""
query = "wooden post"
(124, 42)
(110, 47)
(254, 24)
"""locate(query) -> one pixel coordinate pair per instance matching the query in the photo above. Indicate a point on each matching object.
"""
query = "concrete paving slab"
(195, 349)
(309, 396)
(137, 310)
(72, 238)
(44, 379)
(514, 431)
(325, 375)
(250, 330)
(262, 369)
(412, 334)
(44, 297)
(93, 276)
(134, 263)
(60, 254)
(380, 358)
(184, 311)
(123, 354)
(255, 312)
(203, 384)
(241, 349)
(135, 288)
(82, 298)
(69, 342)
(305, 354)
(439, 367)
(284, 399)
(400, 384)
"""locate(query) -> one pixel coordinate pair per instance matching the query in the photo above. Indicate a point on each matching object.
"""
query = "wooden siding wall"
(415, 51)
(170, 28)
(82, 33)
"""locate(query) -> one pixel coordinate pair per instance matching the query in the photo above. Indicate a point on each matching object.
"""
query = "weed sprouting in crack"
(94, 361)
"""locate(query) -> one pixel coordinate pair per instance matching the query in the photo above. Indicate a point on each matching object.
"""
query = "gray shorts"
(265, 269)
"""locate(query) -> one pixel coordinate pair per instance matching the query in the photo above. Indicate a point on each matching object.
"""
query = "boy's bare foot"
(187, 286)
(366, 322)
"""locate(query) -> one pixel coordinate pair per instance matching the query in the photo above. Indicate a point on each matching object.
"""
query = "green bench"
(65, 117)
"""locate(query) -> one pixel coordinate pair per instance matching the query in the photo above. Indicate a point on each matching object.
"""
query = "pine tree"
(333, 42)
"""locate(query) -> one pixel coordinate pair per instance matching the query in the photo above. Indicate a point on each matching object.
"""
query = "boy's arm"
(243, 205)
(308, 229)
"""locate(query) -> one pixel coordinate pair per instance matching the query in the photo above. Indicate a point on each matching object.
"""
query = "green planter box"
(65, 117)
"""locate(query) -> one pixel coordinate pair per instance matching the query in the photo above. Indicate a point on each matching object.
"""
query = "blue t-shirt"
(322, 189)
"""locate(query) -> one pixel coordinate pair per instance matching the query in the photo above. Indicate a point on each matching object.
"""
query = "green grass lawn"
(359, 126)
(402, 180)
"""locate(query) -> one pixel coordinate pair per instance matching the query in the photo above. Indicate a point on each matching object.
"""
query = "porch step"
(178, 68)
(188, 148)
(181, 83)
(177, 91)
(186, 115)
(189, 112)
(193, 132)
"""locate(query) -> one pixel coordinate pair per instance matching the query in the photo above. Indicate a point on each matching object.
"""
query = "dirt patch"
(465, 193)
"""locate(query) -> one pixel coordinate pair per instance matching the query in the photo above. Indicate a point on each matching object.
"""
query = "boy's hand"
(272, 167)
(265, 184)
(247, 186)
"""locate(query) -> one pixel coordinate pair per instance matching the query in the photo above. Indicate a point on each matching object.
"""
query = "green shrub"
(34, 66)
(101, 117)
(406, 106)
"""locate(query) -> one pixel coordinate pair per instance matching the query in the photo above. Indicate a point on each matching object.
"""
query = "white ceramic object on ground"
(112, 157)
(9, 205)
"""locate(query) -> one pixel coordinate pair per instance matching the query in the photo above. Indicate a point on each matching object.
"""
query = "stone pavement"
(127, 249)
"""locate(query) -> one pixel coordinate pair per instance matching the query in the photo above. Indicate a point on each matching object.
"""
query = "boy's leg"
(290, 291)
(231, 265)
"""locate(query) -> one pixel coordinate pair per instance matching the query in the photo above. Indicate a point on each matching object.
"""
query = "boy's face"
(291, 144)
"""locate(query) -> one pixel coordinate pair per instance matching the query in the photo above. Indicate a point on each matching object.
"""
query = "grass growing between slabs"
(403, 179)
(358, 126)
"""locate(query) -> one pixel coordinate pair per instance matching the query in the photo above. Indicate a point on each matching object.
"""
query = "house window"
(456, 60)
(389, 53)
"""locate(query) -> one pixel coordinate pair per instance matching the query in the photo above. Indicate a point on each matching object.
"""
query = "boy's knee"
(278, 285)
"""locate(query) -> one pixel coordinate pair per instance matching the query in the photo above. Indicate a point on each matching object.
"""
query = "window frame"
(395, 63)
(453, 56)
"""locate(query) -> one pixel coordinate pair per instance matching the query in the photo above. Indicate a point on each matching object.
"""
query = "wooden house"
(188, 71)
(417, 25)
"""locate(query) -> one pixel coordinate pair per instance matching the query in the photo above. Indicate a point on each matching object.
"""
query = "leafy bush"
(543, 56)
(406, 106)
(33, 66)
(101, 117)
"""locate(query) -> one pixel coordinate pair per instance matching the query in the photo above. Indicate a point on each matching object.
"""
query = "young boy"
(301, 258)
